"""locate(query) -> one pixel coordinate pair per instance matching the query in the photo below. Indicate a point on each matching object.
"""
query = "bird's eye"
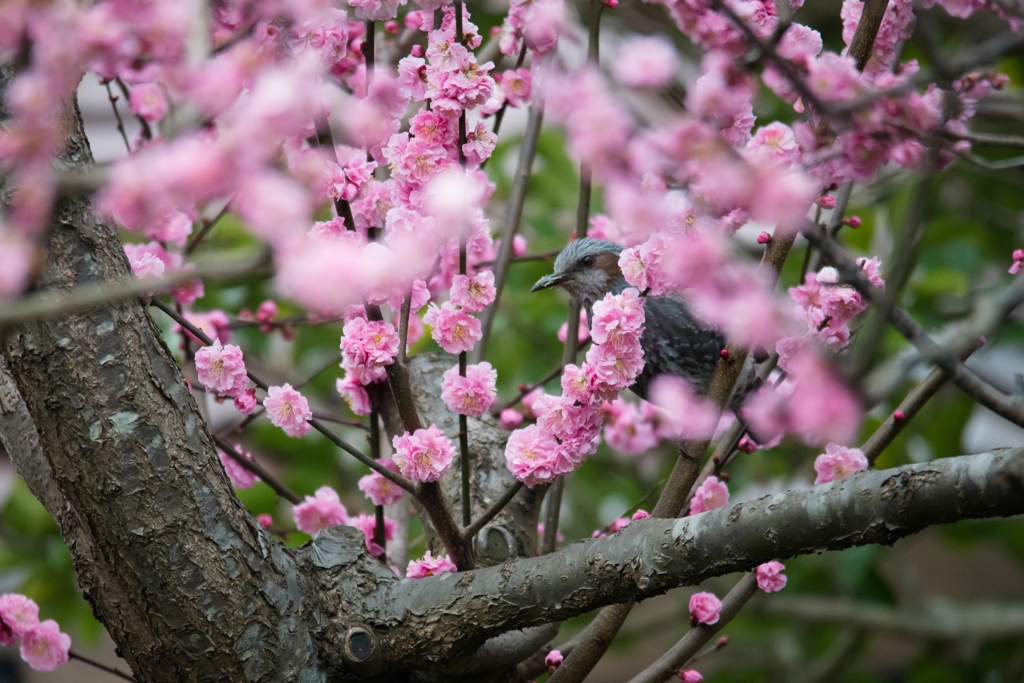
(587, 261)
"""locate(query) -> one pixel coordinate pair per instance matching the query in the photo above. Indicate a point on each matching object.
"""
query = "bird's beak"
(549, 281)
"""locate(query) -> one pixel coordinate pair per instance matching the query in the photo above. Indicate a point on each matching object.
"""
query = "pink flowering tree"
(274, 369)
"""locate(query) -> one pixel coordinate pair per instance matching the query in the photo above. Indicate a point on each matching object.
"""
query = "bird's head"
(587, 269)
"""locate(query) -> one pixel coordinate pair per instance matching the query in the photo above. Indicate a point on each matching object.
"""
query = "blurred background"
(944, 605)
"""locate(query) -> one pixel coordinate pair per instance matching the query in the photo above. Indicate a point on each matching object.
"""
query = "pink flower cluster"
(826, 306)
(690, 676)
(43, 645)
(221, 369)
(288, 409)
(553, 660)
(366, 348)
(379, 489)
(424, 455)
(838, 462)
(770, 578)
(320, 511)
(813, 403)
(709, 495)
(568, 426)
(151, 260)
(472, 395)
(429, 566)
(454, 329)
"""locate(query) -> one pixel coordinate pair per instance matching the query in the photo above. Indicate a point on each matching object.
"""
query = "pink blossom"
(18, 615)
(641, 266)
(473, 294)
(429, 566)
(472, 395)
(375, 10)
(480, 144)
(368, 525)
(349, 178)
(645, 62)
(619, 524)
(146, 259)
(148, 101)
(872, 267)
(553, 660)
(776, 143)
(516, 86)
(688, 415)
(618, 317)
(531, 455)
(770, 578)
(424, 455)
(214, 324)
(380, 489)
(710, 495)
(799, 44)
(240, 477)
(222, 369)
(690, 676)
(175, 227)
(352, 391)
(704, 608)
(245, 402)
(627, 431)
(640, 514)
(838, 462)
(320, 511)
(265, 521)
(288, 409)
(44, 647)
(1018, 262)
(616, 367)
(509, 419)
(454, 330)
(530, 399)
(579, 383)
(368, 344)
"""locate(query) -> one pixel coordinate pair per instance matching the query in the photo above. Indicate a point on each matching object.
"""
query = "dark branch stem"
(470, 531)
(103, 667)
(981, 391)
(394, 477)
(257, 469)
(683, 651)
(513, 218)
(555, 372)
(208, 225)
(117, 116)
(909, 407)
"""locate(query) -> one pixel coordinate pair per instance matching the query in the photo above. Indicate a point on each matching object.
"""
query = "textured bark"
(110, 440)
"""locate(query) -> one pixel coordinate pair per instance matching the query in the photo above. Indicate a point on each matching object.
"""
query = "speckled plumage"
(674, 342)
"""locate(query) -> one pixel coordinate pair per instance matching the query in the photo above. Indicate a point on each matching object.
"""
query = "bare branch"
(699, 635)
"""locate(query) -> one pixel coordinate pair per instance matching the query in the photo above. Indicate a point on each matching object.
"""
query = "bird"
(674, 341)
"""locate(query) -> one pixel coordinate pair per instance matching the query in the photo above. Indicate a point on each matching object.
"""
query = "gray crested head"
(587, 269)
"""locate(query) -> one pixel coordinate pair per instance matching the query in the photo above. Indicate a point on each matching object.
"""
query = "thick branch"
(653, 555)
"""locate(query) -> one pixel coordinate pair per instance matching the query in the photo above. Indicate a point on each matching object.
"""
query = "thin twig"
(117, 115)
(975, 387)
(470, 531)
(680, 653)
(208, 225)
(555, 372)
(394, 477)
(513, 218)
(103, 667)
(257, 469)
(909, 407)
